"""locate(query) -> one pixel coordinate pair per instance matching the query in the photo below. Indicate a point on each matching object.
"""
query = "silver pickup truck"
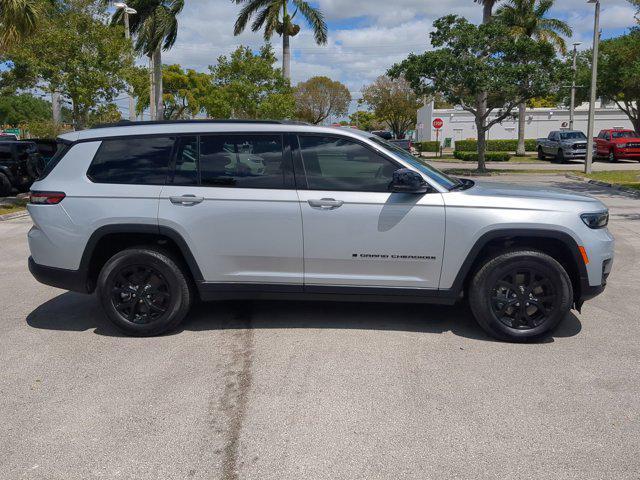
(563, 145)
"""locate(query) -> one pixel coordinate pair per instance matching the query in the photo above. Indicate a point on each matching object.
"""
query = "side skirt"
(337, 293)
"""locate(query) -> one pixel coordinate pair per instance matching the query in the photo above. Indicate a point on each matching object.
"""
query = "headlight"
(622, 145)
(595, 220)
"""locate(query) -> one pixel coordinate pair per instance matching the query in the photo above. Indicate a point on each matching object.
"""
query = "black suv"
(20, 164)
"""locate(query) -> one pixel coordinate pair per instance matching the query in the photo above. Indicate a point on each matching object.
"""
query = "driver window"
(336, 163)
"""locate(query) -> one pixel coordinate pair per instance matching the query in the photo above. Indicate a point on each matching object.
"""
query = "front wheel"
(144, 291)
(541, 154)
(612, 156)
(521, 295)
(560, 156)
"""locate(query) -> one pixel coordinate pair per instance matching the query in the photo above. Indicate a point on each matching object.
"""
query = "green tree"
(618, 73)
(529, 18)
(320, 97)
(394, 102)
(23, 108)
(365, 120)
(106, 113)
(155, 26)
(247, 85)
(468, 60)
(75, 52)
(18, 18)
(273, 16)
(184, 92)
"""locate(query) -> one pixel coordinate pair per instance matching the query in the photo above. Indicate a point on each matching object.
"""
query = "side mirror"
(408, 181)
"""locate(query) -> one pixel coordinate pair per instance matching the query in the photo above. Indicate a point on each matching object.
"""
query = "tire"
(499, 309)
(5, 186)
(612, 156)
(541, 154)
(560, 156)
(144, 291)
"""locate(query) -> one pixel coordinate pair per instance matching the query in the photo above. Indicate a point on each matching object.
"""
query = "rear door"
(232, 198)
(358, 233)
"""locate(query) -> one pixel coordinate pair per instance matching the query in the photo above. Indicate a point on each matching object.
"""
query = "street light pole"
(594, 86)
(573, 86)
(126, 11)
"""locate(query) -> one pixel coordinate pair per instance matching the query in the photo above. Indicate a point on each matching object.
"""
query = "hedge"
(530, 145)
(432, 146)
(489, 156)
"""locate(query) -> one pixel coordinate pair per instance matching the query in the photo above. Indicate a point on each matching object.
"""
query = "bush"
(431, 146)
(496, 145)
(489, 156)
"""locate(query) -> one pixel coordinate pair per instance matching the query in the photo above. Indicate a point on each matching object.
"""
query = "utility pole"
(126, 11)
(573, 86)
(594, 86)
(56, 108)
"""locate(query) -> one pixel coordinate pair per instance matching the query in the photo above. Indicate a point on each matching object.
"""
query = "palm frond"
(315, 19)
(250, 8)
(17, 19)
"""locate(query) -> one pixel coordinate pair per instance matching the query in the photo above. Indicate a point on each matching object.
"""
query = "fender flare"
(565, 238)
(137, 228)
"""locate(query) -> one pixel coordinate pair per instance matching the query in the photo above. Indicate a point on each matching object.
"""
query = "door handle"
(186, 200)
(326, 203)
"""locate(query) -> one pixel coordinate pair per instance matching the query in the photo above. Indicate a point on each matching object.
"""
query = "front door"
(358, 233)
(232, 198)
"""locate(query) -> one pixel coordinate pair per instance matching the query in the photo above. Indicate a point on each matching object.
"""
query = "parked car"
(387, 135)
(563, 145)
(46, 147)
(7, 137)
(615, 144)
(405, 143)
(20, 165)
(151, 217)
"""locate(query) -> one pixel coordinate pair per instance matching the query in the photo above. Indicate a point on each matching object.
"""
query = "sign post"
(438, 123)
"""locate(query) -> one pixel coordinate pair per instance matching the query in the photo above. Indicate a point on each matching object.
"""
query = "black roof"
(125, 123)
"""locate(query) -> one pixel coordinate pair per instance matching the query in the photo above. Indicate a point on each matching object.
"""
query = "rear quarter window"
(139, 161)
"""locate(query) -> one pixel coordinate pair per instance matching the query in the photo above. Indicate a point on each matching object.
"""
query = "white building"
(460, 124)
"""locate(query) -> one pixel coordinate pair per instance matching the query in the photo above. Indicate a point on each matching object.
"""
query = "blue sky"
(365, 36)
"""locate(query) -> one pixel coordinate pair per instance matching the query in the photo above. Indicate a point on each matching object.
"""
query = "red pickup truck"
(618, 143)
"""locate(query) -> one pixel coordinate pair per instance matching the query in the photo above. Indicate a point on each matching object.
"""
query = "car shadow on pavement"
(77, 312)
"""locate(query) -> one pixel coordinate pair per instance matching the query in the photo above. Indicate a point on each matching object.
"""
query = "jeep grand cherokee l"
(153, 215)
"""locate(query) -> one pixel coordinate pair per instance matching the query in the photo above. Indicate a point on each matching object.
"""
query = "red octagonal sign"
(438, 123)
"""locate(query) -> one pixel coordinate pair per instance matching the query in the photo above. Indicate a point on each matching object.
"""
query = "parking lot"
(274, 390)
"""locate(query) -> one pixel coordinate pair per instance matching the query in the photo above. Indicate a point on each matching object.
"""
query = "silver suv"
(155, 215)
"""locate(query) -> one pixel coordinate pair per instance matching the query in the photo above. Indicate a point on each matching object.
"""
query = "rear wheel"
(144, 291)
(541, 154)
(521, 295)
(5, 186)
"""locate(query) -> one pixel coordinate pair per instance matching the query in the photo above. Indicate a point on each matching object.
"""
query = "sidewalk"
(573, 166)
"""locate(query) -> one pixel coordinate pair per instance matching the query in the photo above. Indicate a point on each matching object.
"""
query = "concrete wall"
(459, 125)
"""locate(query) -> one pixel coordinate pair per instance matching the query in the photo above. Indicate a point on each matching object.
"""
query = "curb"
(630, 191)
(11, 216)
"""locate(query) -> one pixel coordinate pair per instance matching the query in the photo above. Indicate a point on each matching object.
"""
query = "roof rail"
(125, 123)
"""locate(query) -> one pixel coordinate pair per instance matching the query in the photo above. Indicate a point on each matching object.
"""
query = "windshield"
(626, 134)
(573, 136)
(434, 174)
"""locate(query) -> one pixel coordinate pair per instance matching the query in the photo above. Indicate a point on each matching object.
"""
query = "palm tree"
(274, 16)
(527, 18)
(155, 26)
(487, 9)
(17, 19)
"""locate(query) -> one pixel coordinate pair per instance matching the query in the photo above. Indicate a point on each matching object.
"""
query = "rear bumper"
(74, 280)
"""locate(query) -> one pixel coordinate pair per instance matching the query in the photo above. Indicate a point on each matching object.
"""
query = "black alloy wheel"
(140, 294)
(523, 299)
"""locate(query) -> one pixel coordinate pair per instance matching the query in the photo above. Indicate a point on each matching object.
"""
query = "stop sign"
(438, 123)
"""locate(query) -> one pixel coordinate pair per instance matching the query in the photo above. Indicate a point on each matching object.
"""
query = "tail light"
(46, 198)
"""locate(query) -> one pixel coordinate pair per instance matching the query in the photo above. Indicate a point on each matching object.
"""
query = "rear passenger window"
(243, 161)
(185, 171)
(140, 161)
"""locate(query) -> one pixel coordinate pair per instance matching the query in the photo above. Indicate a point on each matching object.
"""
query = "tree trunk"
(157, 75)
(522, 113)
(286, 57)
(636, 123)
(482, 131)
(56, 109)
(78, 120)
(487, 10)
(152, 91)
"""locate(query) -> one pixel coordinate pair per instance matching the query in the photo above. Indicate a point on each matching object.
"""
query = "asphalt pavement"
(306, 390)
